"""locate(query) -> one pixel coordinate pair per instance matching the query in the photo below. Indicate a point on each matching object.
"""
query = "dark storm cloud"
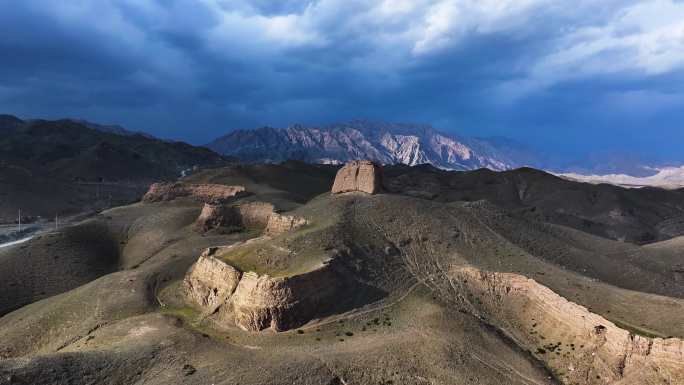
(584, 78)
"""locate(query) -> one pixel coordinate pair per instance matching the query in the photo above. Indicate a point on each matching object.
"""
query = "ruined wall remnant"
(580, 346)
(255, 214)
(282, 303)
(215, 216)
(209, 282)
(247, 215)
(256, 302)
(358, 175)
(206, 193)
(278, 223)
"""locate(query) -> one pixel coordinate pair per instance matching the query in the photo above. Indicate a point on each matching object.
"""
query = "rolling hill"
(443, 277)
(68, 166)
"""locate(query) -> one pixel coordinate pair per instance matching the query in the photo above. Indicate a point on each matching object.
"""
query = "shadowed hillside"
(633, 215)
(68, 166)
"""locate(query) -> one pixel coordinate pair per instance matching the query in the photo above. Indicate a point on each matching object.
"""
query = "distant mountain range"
(69, 166)
(110, 128)
(386, 143)
(79, 150)
(112, 152)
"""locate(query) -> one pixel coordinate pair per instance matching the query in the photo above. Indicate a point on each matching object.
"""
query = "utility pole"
(19, 220)
(56, 221)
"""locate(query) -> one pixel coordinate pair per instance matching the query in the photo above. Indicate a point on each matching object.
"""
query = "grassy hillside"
(119, 314)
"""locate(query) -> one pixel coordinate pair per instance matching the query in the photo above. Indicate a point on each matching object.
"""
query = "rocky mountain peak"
(377, 141)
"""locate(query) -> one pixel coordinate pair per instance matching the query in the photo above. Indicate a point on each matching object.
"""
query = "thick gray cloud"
(578, 78)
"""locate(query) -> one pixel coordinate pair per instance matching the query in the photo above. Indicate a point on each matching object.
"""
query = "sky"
(570, 77)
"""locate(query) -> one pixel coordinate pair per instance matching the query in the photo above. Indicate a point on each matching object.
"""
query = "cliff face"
(255, 302)
(358, 175)
(579, 346)
(207, 193)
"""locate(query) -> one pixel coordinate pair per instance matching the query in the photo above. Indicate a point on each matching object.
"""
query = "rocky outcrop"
(247, 215)
(206, 193)
(358, 175)
(278, 223)
(580, 347)
(256, 302)
(209, 282)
